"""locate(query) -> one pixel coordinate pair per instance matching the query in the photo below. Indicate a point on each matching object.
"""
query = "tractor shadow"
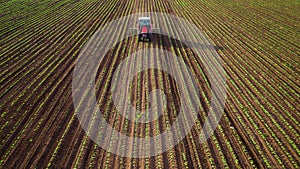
(167, 42)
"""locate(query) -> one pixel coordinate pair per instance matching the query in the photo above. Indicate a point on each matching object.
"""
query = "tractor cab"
(144, 21)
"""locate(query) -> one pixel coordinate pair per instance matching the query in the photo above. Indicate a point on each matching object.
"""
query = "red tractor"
(144, 29)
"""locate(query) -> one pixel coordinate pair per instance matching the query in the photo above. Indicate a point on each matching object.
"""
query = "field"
(257, 41)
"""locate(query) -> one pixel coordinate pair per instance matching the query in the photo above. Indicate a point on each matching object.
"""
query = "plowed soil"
(258, 43)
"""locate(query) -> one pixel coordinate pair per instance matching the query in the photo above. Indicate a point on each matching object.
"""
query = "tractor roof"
(144, 18)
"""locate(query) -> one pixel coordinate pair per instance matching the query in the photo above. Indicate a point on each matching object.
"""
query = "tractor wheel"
(140, 37)
(150, 37)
